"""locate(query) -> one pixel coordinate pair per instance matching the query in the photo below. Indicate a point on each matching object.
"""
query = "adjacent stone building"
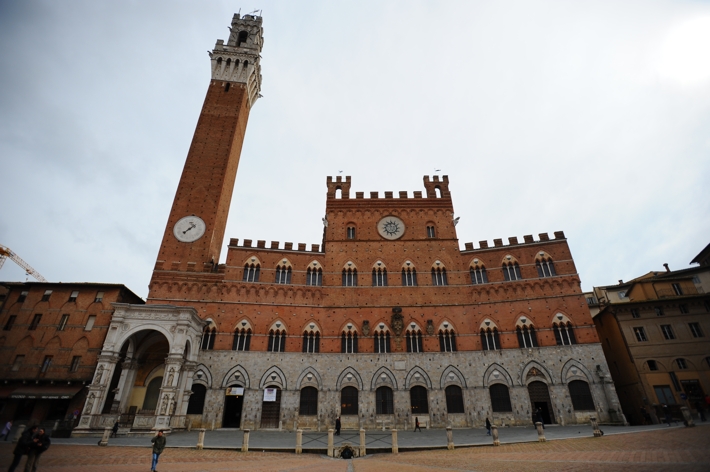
(654, 332)
(387, 319)
(51, 336)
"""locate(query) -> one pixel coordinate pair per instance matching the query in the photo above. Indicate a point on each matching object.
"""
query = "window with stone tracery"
(277, 341)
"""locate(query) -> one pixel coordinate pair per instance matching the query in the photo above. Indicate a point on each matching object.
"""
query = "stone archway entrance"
(232, 417)
(271, 409)
(540, 401)
(144, 372)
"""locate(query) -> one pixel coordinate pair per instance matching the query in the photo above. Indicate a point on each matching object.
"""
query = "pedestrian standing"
(488, 427)
(40, 443)
(158, 446)
(701, 410)
(22, 447)
(416, 424)
(114, 430)
(538, 417)
(6, 430)
(667, 414)
(337, 426)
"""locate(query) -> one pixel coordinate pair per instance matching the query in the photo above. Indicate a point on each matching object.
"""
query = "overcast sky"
(588, 117)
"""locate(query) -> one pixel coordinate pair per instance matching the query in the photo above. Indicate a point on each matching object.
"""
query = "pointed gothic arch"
(417, 376)
(452, 376)
(273, 376)
(349, 377)
(383, 377)
(231, 377)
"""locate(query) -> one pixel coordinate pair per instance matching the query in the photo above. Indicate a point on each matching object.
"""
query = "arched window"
(314, 274)
(511, 269)
(545, 266)
(409, 275)
(350, 276)
(382, 341)
(208, 336)
(242, 37)
(309, 402)
(438, 276)
(414, 339)
(311, 341)
(581, 395)
(379, 275)
(454, 399)
(419, 400)
(348, 401)
(500, 398)
(251, 272)
(478, 273)
(196, 404)
(242, 339)
(430, 231)
(447, 340)
(350, 232)
(277, 340)
(564, 333)
(490, 339)
(526, 333)
(283, 274)
(384, 401)
(348, 343)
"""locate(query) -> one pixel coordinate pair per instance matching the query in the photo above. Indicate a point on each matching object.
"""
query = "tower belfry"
(195, 228)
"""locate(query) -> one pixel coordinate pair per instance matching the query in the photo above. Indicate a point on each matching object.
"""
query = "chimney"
(667, 268)
(621, 281)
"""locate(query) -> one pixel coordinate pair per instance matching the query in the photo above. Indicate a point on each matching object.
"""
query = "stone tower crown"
(239, 60)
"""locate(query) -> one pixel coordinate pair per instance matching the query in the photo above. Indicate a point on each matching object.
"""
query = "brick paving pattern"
(674, 449)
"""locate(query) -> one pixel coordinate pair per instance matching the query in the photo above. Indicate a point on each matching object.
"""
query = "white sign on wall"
(235, 391)
(270, 394)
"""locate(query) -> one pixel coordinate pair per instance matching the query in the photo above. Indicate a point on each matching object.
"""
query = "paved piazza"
(676, 448)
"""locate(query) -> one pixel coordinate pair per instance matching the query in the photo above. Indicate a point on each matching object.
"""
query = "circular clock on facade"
(390, 227)
(189, 229)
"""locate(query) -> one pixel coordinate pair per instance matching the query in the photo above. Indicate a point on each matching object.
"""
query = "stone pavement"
(376, 440)
(686, 449)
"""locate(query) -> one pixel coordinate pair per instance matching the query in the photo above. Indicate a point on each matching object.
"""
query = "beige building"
(655, 334)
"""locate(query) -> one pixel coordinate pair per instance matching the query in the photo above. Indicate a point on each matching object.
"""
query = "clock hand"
(192, 225)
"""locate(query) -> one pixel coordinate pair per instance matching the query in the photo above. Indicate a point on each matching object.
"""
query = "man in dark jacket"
(22, 448)
(40, 443)
(158, 446)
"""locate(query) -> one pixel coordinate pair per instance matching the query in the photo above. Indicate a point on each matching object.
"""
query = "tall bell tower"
(195, 229)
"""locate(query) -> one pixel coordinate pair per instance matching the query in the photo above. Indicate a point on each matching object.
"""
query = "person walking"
(40, 443)
(337, 426)
(667, 414)
(114, 430)
(538, 418)
(416, 424)
(159, 442)
(488, 427)
(6, 430)
(22, 447)
(701, 410)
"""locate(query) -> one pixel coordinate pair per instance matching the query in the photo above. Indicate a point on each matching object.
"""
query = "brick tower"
(195, 229)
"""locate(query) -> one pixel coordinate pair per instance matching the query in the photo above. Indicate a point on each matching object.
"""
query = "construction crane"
(6, 252)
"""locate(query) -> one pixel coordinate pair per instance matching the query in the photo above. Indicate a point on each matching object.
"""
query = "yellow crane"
(6, 252)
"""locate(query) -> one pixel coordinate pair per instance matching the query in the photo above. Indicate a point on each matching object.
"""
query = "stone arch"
(313, 326)
(244, 323)
(349, 326)
(349, 377)
(575, 370)
(202, 376)
(52, 344)
(412, 379)
(495, 373)
(452, 376)
(389, 379)
(231, 377)
(273, 376)
(541, 373)
(314, 381)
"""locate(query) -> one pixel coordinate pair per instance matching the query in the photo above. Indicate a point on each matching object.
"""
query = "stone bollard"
(687, 418)
(395, 446)
(245, 440)
(540, 432)
(18, 433)
(104, 438)
(299, 441)
(363, 448)
(201, 439)
(595, 427)
(330, 442)
(494, 433)
(449, 439)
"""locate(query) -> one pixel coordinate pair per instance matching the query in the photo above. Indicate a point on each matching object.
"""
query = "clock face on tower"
(390, 227)
(189, 229)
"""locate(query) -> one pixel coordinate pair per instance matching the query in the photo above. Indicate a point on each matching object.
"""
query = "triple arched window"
(409, 275)
(414, 340)
(447, 340)
(511, 269)
(208, 336)
(379, 275)
(314, 274)
(251, 272)
(478, 273)
(382, 341)
(348, 342)
(283, 274)
(545, 266)
(490, 339)
(526, 334)
(277, 340)
(311, 341)
(438, 274)
(564, 331)
(350, 276)
(242, 339)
